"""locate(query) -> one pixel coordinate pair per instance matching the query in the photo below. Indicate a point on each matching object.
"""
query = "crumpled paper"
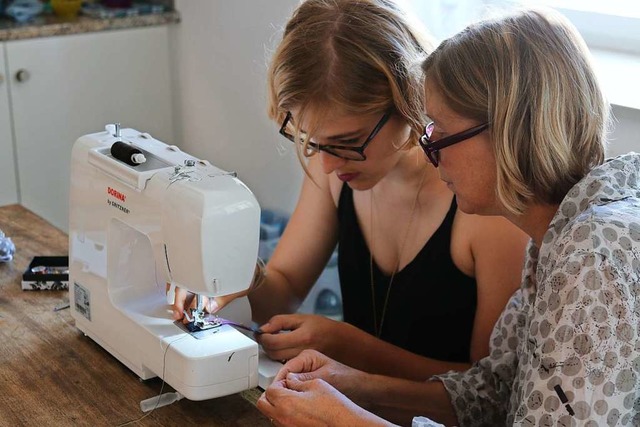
(7, 248)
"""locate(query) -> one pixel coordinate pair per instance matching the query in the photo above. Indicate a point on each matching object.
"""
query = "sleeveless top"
(431, 305)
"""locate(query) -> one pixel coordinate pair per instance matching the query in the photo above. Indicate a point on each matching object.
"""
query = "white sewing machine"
(170, 219)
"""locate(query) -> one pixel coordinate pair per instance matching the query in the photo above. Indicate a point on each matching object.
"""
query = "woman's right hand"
(286, 335)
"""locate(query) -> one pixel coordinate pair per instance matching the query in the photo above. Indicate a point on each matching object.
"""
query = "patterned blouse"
(566, 351)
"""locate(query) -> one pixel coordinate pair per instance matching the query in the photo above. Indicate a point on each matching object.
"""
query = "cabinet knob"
(22, 75)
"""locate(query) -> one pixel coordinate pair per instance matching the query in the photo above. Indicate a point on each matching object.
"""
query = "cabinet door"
(8, 185)
(65, 87)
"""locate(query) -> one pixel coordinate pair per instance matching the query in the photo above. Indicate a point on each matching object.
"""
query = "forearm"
(273, 296)
(399, 400)
(379, 357)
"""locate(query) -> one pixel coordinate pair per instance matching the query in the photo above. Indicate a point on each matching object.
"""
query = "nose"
(330, 162)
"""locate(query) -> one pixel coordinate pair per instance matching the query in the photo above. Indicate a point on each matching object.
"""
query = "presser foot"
(195, 330)
(199, 322)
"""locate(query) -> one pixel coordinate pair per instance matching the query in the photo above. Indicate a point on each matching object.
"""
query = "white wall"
(626, 133)
(220, 52)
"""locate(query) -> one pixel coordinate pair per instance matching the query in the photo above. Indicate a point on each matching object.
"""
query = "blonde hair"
(530, 76)
(350, 56)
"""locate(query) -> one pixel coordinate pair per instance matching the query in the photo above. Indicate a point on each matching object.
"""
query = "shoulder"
(490, 231)
(604, 228)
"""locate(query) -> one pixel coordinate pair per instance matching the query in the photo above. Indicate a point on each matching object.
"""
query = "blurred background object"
(23, 10)
(117, 3)
(66, 9)
(325, 297)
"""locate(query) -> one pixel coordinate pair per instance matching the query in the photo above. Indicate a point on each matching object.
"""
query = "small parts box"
(47, 273)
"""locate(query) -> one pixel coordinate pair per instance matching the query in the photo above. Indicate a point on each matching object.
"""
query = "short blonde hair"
(351, 56)
(530, 76)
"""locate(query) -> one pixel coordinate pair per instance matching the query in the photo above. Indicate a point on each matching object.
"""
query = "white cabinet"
(8, 184)
(64, 87)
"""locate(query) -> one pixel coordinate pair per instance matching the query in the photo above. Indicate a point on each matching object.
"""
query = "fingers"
(265, 406)
(283, 322)
(306, 362)
(272, 398)
(296, 383)
(183, 298)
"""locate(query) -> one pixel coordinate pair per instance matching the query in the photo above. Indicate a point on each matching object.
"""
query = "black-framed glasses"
(342, 151)
(432, 148)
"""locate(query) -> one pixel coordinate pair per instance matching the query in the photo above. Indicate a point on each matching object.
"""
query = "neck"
(535, 221)
(412, 168)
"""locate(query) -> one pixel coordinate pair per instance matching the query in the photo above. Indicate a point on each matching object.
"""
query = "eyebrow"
(346, 135)
(357, 132)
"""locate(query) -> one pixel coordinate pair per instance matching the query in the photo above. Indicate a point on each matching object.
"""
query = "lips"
(346, 177)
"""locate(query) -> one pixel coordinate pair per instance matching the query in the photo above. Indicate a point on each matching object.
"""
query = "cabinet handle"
(22, 75)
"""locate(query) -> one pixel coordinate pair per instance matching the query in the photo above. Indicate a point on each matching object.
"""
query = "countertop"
(53, 375)
(50, 25)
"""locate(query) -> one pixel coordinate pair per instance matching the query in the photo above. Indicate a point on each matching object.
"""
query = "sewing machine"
(163, 217)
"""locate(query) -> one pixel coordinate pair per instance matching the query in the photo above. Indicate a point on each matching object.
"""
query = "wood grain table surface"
(53, 375)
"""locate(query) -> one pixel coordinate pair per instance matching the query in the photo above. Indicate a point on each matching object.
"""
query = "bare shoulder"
(479, 243)
(490, 230)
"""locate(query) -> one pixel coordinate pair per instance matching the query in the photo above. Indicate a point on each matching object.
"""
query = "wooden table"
(53, 375)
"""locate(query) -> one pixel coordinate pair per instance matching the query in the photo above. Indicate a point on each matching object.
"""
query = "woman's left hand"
(291, 402)
(305, 331)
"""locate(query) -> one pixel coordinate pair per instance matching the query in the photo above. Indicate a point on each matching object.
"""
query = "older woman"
(518, 130)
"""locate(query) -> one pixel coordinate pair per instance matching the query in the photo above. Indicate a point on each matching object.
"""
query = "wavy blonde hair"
(530, 76)
(350, 56)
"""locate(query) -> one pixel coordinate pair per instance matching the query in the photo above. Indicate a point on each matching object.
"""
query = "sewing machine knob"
(22, 75)
(190, 162)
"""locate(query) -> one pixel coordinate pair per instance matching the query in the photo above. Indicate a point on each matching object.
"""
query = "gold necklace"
(378, 330)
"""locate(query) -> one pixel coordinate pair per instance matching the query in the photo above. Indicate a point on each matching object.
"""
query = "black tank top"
(431, 305)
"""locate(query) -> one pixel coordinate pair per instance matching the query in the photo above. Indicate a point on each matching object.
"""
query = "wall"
(626, 133)
(220, 53)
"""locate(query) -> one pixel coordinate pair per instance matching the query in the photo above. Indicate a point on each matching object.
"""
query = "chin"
(356, 185)
(472, 208)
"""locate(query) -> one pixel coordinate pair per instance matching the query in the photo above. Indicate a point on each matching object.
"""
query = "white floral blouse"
(566, 351)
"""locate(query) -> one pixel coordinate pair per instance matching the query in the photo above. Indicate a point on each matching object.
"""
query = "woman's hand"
(292, 402)
(306, 331)
(311, 365)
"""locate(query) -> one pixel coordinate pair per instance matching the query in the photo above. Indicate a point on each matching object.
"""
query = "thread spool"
(127, 153)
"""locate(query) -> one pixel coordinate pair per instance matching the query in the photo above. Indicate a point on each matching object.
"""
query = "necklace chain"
(378, 329)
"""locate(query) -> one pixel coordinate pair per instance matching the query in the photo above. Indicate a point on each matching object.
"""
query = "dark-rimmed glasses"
(342, 151)
(432, 148)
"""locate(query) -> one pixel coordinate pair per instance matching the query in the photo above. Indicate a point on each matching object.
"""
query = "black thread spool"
(127, 153)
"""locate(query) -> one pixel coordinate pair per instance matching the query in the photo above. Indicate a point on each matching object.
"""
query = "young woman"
(518, 130)
(422, 282)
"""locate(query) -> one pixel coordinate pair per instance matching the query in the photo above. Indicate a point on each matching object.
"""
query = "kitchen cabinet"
(8, 184)
(66, 86)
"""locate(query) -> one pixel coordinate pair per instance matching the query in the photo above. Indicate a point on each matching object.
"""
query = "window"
(611, 25)
(611, 29)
